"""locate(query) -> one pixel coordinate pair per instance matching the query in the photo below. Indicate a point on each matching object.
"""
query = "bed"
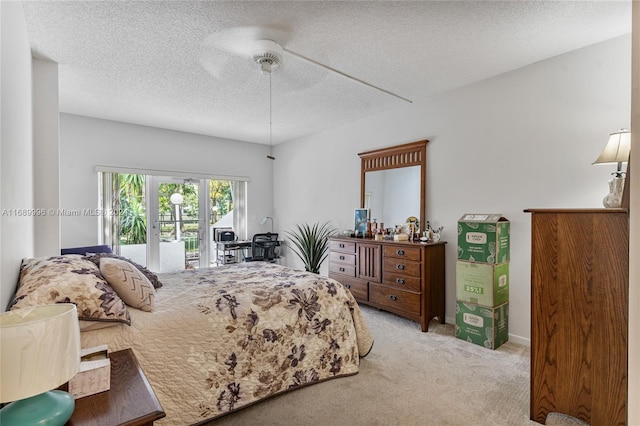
(213, 340)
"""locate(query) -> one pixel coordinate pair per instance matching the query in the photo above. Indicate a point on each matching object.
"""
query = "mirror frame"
(394, 157)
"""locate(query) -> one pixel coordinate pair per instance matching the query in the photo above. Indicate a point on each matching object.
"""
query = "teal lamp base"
(51, 408)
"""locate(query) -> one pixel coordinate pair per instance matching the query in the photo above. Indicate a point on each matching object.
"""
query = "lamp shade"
(264, 220)
(176, 198)
(39, 349)
(617, 148)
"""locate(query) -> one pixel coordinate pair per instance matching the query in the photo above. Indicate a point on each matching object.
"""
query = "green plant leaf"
(311, 243)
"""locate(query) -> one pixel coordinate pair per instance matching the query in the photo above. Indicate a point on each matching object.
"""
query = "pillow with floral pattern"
(69, 279)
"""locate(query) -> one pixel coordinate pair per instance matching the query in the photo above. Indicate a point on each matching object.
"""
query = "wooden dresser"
(405, 278)
(579, 312)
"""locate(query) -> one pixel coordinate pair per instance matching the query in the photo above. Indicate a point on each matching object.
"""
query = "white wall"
(88, 142)
(46, 151)
(16, 148)
(520, 140)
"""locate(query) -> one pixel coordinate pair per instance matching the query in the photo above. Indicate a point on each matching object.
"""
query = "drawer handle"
(341, 269)
(341, 257)
(400, 252)
(399, 281)
(341, 245)
(347, 285)
(400, 266)
(392, 297)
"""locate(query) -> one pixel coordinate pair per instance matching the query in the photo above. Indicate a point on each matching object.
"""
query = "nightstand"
(129, 401)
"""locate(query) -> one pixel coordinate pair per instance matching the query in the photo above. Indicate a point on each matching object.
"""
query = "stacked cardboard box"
(482, 279)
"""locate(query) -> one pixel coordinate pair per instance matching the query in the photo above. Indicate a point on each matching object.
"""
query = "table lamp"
(616, 151)
(39, 351)
(264, 221)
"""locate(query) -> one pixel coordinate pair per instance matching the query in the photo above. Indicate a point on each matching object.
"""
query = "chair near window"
(263, 247)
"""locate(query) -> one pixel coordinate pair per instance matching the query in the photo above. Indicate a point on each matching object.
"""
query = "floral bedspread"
(222, 338)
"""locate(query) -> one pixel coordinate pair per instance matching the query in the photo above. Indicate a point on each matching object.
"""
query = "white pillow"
(129, 283)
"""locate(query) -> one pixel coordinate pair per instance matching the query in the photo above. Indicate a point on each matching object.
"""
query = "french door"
(167, 223)
(178, 215)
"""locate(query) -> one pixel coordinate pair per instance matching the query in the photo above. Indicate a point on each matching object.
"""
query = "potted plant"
(311, 244)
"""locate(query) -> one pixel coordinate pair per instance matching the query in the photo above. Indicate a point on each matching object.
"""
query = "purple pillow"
(87, 249)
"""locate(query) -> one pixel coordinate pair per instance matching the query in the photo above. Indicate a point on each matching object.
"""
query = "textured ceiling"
(183, 65)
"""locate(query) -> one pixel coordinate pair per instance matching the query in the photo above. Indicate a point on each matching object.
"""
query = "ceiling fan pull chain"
(270, 156)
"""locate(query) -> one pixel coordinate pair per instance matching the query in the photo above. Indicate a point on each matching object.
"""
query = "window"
(167, 222)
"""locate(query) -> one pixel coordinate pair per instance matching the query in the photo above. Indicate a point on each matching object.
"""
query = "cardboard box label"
(476, 238)
(488, 327)
(474, 320)
(473, 289)
(502, 281)
(482, 283)
(484, 238)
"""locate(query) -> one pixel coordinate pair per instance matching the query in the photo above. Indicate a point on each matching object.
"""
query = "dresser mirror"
(393, 182)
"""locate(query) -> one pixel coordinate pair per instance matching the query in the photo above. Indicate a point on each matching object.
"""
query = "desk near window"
(237, 251)
(229, 251)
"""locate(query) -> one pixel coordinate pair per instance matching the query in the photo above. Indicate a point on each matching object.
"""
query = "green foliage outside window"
(133, 214)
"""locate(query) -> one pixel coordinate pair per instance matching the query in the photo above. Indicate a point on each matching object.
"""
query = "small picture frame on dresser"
(361, 217)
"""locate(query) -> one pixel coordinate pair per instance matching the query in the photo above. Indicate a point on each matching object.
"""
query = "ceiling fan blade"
(304, 58)
(223, 51)
(245, 42)
(214, 62)
(242, 41)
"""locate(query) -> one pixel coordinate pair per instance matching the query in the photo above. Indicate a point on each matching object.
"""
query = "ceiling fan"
(265, 46)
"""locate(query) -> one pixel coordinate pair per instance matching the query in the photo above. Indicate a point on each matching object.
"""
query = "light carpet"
(412, 378)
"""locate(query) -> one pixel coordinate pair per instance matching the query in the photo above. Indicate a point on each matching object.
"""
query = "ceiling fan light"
(268, 66)
(267, 62)
(268, 55)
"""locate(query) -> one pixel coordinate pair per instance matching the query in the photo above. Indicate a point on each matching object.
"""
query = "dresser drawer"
(402, 252)
(358, 288)
(401, 266)
(394, 298)
(343, 246)
(339, 257)
(401, 280)
(342, 268)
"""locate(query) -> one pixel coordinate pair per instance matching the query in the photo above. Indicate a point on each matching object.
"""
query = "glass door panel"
(169, 224)
(177, 229)
(132, 226)
(222, 218)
